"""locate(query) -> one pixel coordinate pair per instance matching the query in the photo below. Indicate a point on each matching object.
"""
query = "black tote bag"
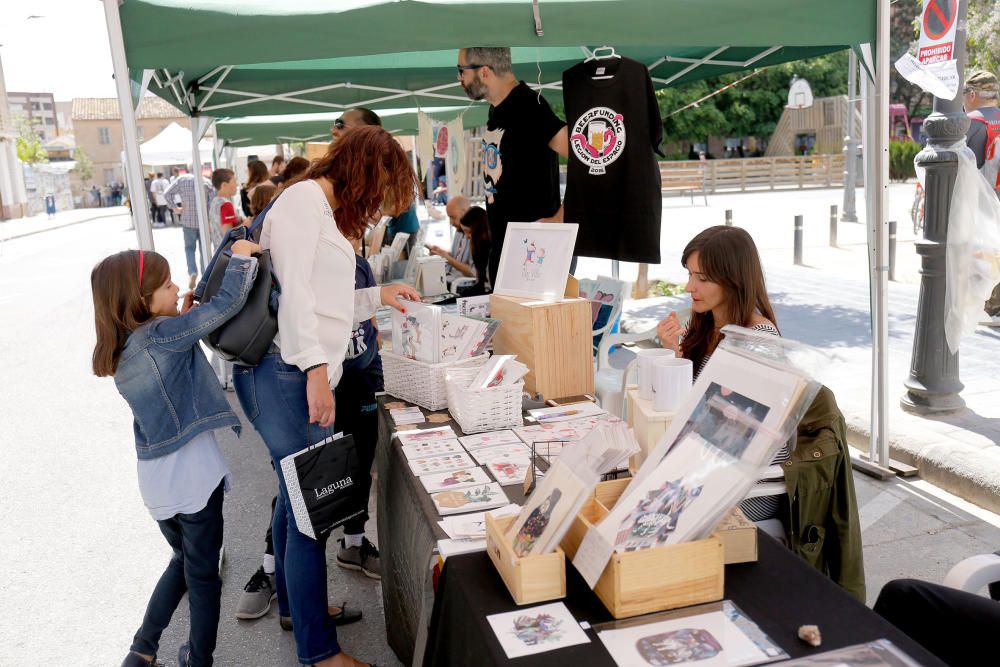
(322, 485)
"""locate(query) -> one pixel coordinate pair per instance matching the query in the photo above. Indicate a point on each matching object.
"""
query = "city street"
(84, 553)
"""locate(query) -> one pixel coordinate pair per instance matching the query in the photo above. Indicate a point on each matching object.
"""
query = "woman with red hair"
(288, 397)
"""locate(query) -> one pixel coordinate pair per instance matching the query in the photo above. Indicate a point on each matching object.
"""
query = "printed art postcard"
(722, 637)
(446, 463)
(535, 260)
(455, 479)
(416, 333)
(509, 471)
(470, 499)
(435, 448)
(537, 630)
(425, 435)
(487, 453)
(459, 336)
(480, 440)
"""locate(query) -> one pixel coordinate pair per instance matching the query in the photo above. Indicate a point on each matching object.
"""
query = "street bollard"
(833, 226)
(729, 217)
(798, 240)
(892, 250)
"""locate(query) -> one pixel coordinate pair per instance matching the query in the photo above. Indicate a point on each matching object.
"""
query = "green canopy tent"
(254, 57)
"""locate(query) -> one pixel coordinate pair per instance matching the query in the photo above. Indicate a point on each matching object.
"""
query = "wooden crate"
(530, 579)
(648, 424)
(739, 537)
(642, 582)
(553, 338)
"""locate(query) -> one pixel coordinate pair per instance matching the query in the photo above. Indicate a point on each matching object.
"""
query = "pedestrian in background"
(258, 175)
(152, 351)
(184, 190)
(158, 187)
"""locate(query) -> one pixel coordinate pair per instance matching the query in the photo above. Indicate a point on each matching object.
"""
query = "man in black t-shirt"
(521, 147)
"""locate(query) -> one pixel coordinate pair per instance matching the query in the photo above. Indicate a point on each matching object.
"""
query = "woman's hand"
(391, 294)
(320, 397)
(670, 331)
(245, 248)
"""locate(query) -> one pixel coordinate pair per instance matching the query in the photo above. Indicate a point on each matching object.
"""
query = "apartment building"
(37, 107)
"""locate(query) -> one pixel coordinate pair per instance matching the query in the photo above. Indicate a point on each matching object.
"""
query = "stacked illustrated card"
(537, 630)
(568, 412)
(429, 465)
(470, 499)
(565, 431)
(425, 435)
(474, 306)
(491, 439)
(487, 453)
(704, 464)
(434, 448)
(710, 639)
(509, 470)
(499, 370)
(463, 337)
(472, 526)
(403, 416)
(454, 479)
(415, 333)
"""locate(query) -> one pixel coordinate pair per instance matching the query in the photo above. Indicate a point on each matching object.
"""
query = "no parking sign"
(935, 69)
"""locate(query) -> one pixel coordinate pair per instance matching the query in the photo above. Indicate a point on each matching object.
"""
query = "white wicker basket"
(486, 409)
(419, 382)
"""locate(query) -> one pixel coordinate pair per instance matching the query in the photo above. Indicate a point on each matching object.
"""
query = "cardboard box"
(553, 338)
(530, 579)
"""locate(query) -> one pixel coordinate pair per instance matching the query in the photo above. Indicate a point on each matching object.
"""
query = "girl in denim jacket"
(152, 352)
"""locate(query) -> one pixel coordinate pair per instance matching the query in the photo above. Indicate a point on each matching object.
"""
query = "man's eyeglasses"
(463, 68)
(339, 124)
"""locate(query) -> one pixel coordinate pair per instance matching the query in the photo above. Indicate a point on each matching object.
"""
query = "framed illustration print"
(535, 259)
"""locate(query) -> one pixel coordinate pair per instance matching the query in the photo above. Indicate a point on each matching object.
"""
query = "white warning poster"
(934, 68)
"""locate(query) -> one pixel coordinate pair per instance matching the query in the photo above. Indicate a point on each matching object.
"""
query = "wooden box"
(642, 582)
(553, 338)
(648, 424)
(530, 579)
(739, 537)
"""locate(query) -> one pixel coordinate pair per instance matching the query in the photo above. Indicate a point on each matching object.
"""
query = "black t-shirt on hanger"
(613, 180)
(520, 171)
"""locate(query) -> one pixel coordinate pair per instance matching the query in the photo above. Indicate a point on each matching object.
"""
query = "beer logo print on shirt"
(492, 162)
(598, 138)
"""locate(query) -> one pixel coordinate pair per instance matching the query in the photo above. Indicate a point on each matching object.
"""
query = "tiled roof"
(106, 108)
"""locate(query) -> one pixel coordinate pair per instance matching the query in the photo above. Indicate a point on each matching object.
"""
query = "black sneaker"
(364, 558)
(257, 596)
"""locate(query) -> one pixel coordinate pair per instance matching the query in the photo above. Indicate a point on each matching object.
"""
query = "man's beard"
(475, 90)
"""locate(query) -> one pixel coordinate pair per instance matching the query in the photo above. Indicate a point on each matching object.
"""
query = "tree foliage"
(903, 35)
(984, 35)
(28, 142)
(84, 165)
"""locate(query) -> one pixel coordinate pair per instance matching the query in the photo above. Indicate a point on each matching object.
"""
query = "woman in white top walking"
(288, 397)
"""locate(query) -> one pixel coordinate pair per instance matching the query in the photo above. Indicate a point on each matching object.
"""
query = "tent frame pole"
(133, 161)
(199, 125)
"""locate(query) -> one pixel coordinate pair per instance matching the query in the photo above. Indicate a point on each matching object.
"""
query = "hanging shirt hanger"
(602, 53)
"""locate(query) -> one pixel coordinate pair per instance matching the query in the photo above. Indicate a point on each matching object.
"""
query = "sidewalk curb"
(54, 227)
(967, 471)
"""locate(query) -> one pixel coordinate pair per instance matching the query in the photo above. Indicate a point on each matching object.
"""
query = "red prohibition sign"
(939, 17)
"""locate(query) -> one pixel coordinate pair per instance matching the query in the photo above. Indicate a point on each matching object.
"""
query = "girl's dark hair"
(371, 175)
(726, 256)
(294, 168)
(478, 223)
(262, 196)
(258, 174)
(120, 303)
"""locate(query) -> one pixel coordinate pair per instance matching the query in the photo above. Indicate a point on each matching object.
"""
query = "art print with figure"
(472, 499)
(535, 260)
(453, 480)
(415, 333)
(550, 509)
(725, 419)
(537, 630)
(655, 517)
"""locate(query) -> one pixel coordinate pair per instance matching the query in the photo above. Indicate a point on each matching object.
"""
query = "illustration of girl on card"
(536, 524)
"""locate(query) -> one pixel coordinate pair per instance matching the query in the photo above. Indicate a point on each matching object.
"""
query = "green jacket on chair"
(821, 517)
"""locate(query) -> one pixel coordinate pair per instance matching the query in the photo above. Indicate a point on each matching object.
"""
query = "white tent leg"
(133, 161)
(876, 156)
(198, 126)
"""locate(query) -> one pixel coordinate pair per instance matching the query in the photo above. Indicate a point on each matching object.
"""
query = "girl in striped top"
(726, 283)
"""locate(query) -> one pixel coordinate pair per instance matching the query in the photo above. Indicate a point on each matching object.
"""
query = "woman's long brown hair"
(726, 256)
(371, 175)
(258, 174)
(121, 303)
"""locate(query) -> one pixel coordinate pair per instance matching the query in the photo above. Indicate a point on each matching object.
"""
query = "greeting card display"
(516, 450)
(415, 333)
(509, 471)
(535, 260)
(432, 464)
(716, 635)
(490, 439)
(536, 630)
(455, 479)
(471, 499)
(434, 448)
(551, 508)
(425, 435)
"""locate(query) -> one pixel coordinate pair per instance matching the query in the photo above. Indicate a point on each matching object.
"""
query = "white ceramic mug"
(672, 380)
(644, 361)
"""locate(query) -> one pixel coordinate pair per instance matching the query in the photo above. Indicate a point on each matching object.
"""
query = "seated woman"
(476, 228)
(726, 283)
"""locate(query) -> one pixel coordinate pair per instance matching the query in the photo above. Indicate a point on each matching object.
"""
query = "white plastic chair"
(974, 573)
(772, 527)
(611, 383)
